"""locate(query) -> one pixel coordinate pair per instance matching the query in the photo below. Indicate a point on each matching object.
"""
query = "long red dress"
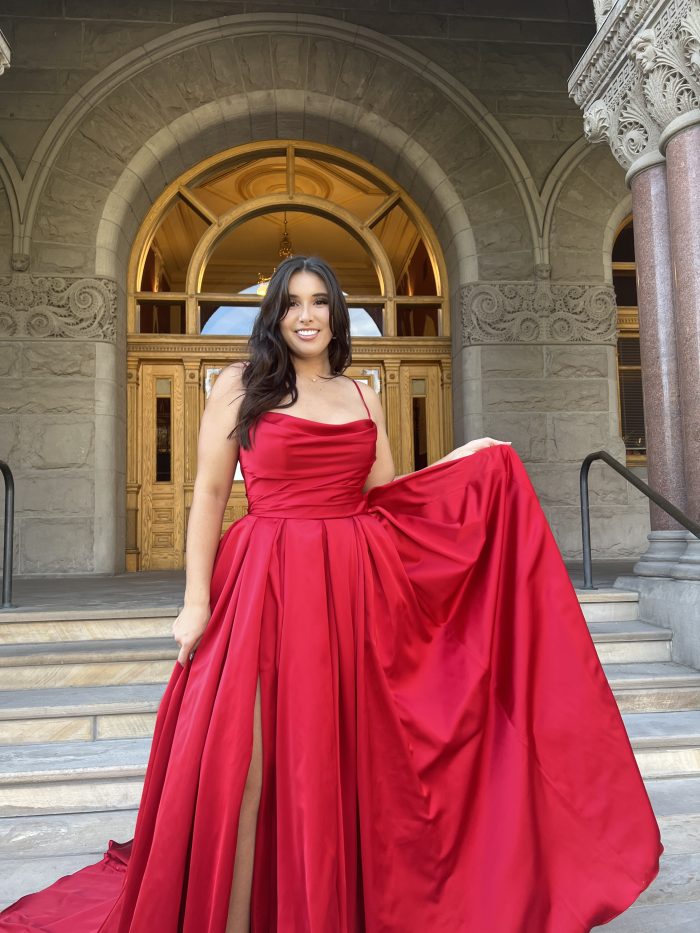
(441, 750)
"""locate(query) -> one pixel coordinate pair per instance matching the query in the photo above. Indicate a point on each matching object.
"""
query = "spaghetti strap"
(354, 382)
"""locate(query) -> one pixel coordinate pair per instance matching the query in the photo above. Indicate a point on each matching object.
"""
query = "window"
(212, 242)
(629, 364)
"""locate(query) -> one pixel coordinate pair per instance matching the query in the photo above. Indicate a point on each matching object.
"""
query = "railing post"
(8, 545)
(586, 524)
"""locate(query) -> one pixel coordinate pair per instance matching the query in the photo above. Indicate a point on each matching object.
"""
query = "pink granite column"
(657, 336)
(683, 179)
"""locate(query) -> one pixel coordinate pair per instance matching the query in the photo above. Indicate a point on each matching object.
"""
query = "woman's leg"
(239, 904)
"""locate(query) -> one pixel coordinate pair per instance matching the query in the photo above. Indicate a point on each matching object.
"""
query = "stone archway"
(200, 89)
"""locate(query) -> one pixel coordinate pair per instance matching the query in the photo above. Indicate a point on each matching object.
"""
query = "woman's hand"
(188, 629)
(471, 448)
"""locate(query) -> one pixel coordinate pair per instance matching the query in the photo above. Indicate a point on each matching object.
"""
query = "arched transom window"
(204, 254)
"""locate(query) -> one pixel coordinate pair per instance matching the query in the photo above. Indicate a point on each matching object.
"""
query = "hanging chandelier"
(285, 251)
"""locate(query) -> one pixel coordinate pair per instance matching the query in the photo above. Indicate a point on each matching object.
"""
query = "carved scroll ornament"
(53, 306)
(537, 312)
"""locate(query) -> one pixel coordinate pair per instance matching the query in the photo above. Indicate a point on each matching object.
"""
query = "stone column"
(683, 157)
(657, 333)
(683, 170)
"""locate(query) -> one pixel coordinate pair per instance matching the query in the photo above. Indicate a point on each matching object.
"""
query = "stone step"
(80, 709)
(630, 641)
(665, 743)
(138, 659)
(60, 834)
(65, 776)
(654, 686)
(31, 844)
(87, 663)
(62, 714)
(609, 605)
(23, 626)
(72, 776)
(52, 626)
(676, 803)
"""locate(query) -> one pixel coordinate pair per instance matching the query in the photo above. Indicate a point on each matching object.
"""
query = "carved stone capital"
(640, 74)
(53, 306)
(537, 312)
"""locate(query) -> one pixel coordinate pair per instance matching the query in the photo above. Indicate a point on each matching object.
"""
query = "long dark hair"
(270, 374)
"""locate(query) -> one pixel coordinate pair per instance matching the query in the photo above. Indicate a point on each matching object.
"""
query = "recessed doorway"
(196, 278)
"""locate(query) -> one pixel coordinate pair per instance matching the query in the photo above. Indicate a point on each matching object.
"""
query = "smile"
(306, 334)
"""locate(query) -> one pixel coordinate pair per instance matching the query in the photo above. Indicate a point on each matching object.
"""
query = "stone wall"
(557, 405)
(60, 387)
(105, 105)
(47, 434)
(539, 368)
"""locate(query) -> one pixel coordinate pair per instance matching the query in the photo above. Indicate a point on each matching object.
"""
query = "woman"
(387, 712)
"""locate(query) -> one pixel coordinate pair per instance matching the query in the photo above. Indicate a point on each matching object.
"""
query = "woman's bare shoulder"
(229, 382)
(369, 395)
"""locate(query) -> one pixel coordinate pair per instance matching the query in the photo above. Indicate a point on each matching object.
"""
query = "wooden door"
(422, 420)
(162, 510)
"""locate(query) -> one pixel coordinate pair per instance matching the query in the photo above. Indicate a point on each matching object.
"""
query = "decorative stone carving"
(602, 8)
(596, 122)
(639, 76)
(52, 306)
(537, 312)
(667, 82)
(689, 40)
(20, 262)
(605, 51)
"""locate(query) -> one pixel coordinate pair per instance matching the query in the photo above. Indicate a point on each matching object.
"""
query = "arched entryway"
(197, 274)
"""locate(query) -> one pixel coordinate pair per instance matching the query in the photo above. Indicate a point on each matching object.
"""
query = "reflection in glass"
(163, 441)
(161, 317)
(419, 275)
(623, 250)
(165, 264)
(417, 321)
(420, 433)
(632, 411)
(625, 289)
(252, 247)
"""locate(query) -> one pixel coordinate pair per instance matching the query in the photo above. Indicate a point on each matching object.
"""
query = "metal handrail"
(9, 535)
(650, 493)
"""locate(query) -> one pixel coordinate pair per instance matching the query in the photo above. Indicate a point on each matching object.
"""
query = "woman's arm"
(383, 467)
(216, 463)
(470, 448)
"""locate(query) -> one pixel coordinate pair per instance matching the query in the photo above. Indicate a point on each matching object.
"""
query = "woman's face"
(306, 325)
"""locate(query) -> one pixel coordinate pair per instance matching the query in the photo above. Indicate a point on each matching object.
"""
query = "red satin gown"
(441, 750)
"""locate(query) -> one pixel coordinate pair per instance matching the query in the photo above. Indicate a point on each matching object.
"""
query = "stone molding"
(537, 312)
(639, 76)
(5, 54)
(53, 306)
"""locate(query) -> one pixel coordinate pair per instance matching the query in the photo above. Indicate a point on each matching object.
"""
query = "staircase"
(80, 692)
(79, 696)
